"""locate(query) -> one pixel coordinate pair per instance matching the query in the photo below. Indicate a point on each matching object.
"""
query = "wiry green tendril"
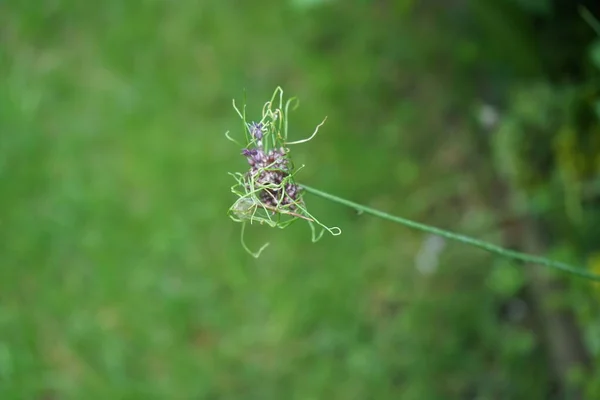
(279, 210)
(254, 192)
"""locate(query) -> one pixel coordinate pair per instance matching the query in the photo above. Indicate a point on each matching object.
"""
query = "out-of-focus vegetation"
(122, 278)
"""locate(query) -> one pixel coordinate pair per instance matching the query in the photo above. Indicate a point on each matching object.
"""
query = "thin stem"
(492, 248)
(293, 214)
(243, 241)
(311, 136)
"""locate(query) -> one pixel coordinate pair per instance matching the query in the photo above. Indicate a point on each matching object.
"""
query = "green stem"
(492, 248)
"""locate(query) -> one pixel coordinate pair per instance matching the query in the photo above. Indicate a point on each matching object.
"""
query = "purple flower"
(269, 174)
(248, 152)
(256, 129)
(250, 155)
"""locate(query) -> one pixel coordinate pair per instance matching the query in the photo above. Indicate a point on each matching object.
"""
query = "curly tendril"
(267, 193)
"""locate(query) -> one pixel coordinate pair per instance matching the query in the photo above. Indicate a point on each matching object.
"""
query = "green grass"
(122, 276)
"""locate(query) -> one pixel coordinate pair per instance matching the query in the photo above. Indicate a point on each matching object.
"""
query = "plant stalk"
(489, 247)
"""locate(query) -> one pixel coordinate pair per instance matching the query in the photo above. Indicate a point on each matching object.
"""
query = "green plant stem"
(492, 248)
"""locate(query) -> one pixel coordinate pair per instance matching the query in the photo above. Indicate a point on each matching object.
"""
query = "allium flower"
(267, 192)
(256, 130)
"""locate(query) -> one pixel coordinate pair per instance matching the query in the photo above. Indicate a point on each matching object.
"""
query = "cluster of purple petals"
(268, 170)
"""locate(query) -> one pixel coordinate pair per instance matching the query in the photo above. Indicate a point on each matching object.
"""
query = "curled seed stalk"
(268, 193)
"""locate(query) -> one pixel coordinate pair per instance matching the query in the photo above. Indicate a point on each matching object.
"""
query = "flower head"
(267, 191)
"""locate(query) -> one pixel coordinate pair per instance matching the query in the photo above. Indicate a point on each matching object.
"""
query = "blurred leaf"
(521, 341)
(308, 3)
(595, 53)
(590, 19)
(505, 279)
(594, 266)
(535, 6)
(593, 335)
(406, 171)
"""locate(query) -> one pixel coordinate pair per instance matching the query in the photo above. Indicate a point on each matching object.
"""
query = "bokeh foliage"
(122, 277)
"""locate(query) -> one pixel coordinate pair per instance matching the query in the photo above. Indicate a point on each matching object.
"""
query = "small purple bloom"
(256, 129)
(252, 155)
(268, 172)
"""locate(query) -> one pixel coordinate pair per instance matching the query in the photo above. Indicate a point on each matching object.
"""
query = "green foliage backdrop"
(121, 276)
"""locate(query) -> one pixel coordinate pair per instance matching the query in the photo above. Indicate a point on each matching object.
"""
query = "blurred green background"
(122, 277)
